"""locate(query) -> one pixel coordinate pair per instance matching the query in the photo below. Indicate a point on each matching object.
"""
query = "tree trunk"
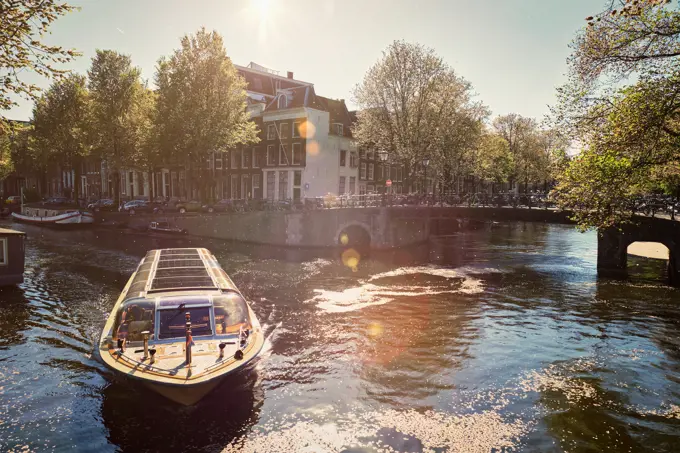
(152, 185)
(76, 181)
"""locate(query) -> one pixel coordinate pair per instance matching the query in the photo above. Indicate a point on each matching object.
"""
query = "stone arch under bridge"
(612, 244)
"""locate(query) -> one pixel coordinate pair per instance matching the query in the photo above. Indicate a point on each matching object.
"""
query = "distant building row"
(306, 150)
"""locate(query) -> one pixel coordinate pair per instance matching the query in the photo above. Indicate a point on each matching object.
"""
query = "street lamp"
(382, 155)
(426, 162)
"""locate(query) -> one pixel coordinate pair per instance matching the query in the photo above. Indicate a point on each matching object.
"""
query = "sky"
(512, 51)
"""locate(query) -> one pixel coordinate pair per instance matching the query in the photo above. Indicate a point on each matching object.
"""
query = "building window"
(362, 154)
(256, 157)
(256, 185)
(297, 154)
(352, 184)
(235, 157)
(218, 161)
(400, 174)
(3, 252)
(271, 132)
(353, 161)
(393, 174)
(362, 174)
(283, 155)
(338, 129)
(209, 161)
(369, 155)
(370, 188)
(296, 129)
(234, 187)
(283, 101)
(284, 130)
(245, 187)
(370, 172)
(399, 189)
(297, 178)
(343, 157)
(123, 183)
(245, 158)
(341, 188)
(226, 159)
(283, 185)
(225, 188)
(271, 180)
(271, 155)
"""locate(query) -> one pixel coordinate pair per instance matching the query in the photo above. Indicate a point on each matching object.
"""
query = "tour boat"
(166, 228)
(180, 325)
(72, 217)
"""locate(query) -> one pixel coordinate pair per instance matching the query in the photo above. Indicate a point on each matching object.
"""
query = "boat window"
(231, 313)
(133, 318)
(172, 322)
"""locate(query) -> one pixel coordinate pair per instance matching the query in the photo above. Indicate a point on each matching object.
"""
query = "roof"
(338, 114)
(267, 83)
(180, 269)
(296, 98)
(8, 232)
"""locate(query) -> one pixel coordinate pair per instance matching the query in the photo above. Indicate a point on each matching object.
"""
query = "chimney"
(290, 74)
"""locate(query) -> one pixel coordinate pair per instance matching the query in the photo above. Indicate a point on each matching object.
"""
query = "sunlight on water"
(458, 281)
(388, 431)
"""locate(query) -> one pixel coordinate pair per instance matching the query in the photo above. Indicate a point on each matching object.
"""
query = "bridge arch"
(613, 243)
(354, 234)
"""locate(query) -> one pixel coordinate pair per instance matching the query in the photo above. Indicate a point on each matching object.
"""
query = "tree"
(630, 134)
(6, 164)
(413, 105)
(116, 90)
(201, 103)
(146, 153)
(493, 162)
(22, 27)
(60, 121)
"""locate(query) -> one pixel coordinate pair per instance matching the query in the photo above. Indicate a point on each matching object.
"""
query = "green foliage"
(6, 164)
(413, 105)
(22, 27)
(61, 123)
(116, 91)
(493, 160)
(201, 100)
(630, 135)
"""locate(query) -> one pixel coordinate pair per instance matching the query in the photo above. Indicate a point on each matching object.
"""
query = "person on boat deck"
(133, 323)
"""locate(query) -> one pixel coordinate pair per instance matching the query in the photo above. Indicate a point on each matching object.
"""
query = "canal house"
(11, 257)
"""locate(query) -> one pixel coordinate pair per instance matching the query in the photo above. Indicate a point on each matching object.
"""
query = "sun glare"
(262, 7)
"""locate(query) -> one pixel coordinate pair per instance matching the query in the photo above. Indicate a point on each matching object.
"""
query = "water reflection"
(140, 420)
(498, 336)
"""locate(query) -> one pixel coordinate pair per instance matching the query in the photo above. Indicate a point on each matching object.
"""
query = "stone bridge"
(374, 227)
(400, 226)
(612, 244)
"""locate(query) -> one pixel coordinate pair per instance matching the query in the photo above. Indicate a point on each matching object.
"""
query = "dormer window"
(338, 129)
(283, 101)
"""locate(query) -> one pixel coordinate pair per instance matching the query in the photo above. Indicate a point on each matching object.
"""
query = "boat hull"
(186, 395)
(65, 219)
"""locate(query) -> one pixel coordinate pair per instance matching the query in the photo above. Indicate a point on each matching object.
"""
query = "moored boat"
(180, 325)
(72, 217)
(165, 228)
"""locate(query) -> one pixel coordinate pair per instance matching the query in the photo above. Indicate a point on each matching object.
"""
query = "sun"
(262, 7)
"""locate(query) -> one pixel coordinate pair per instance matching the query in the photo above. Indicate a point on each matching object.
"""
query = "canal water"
(500, 338)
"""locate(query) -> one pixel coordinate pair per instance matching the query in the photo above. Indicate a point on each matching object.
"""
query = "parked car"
(105, 204)
(135, 206)
(188, 206)
(224, 205)
(57, 201)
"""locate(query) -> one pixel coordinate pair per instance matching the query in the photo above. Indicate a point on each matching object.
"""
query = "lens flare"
(307, 130)
(312, 148)
(351, 258)
(344, 239)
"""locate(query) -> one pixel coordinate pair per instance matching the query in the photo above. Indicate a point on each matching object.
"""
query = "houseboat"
(53, 217)
(11, 257)
(165, 228)
(180, 325)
